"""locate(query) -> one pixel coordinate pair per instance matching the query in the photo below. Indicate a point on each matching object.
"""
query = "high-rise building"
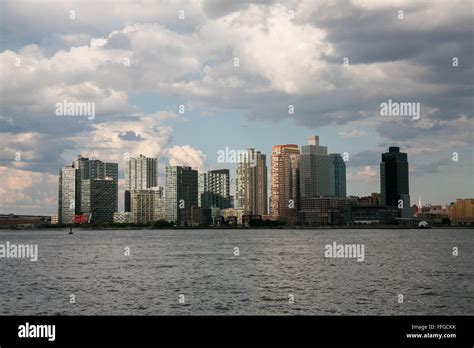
(214, 189)
(147, 205)
(67, 194)
(103, 199)
(140, 174)
(160, 205)
(314, 170)
(337, 175)
(285, 182)
(251, 182)
(202, 188)
(88, 186)
(219, 187)
(394, 180)
(104, 194)
(181, 192)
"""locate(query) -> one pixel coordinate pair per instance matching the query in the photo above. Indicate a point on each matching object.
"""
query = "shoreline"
(343, 227)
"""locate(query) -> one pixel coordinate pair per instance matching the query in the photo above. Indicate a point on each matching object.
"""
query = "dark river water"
(176, 272)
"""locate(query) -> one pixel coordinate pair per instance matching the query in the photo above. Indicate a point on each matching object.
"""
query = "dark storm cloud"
(36, 153)
(407, 130)
(377, 35)
(420, 41)
(50, 124)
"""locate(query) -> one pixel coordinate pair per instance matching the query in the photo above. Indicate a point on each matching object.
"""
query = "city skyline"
(359, 74)
(306, 188)
(151, 183)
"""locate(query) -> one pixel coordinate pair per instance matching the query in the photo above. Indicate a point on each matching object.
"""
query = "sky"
(182, 80)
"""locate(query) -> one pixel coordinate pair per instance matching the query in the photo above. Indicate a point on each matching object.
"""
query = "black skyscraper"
(394, 178)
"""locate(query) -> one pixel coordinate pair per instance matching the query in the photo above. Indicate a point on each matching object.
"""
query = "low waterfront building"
(373, 199)
(462, 211)
(232, 214)
(122, 217)
(195, 216)
(323, 210)
(13, 220)
(369, 214)
(434, 214)
(54, 219)
(251, 219)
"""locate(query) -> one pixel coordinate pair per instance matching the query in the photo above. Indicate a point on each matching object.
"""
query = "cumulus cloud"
(186, 156)
(23, 191)
(366, 175)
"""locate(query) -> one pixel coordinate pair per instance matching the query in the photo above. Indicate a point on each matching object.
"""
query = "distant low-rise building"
(232, 214)
(54, 219)
(373, 199)
(251, 219)
(434, 214)
(13, 220)
(369, 214)
(462, 211)
(122, 217)
(323, 210)
(195, 218)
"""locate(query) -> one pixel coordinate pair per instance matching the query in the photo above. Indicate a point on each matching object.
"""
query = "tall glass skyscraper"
(103, 199)
(394, 182)
(314, 170)
(202, 188)
(140, 174)
(337, 175)
(181, 193)
(67, 194)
